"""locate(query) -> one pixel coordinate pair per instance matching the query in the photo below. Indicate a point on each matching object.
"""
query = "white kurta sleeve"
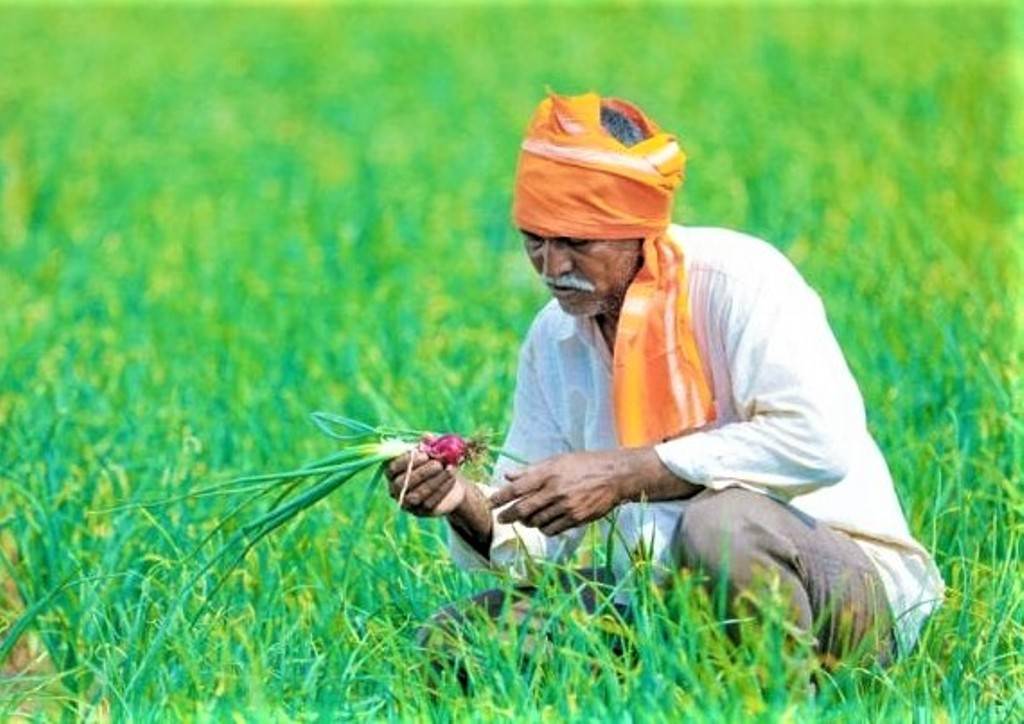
(533, 436)
(799, 407)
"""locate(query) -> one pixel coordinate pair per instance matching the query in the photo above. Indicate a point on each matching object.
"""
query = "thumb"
(452, 499)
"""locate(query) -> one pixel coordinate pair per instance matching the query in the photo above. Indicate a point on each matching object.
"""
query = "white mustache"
(570, 281)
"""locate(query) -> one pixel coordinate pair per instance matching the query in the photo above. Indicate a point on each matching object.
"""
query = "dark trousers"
(738, 539)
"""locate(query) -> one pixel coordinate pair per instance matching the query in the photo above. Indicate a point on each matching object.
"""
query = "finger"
(439, 493)
(411, 480)
(529, 481)
(423, 472)
(558, 525)
(427, 488)
(425, 484)
(399, 465)
(543, 516)
(524, 507)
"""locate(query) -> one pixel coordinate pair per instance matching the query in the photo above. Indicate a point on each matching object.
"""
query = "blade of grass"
(259, 529)
(270, 526)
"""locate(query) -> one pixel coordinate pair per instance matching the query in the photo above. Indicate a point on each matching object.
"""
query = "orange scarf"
(576, 180)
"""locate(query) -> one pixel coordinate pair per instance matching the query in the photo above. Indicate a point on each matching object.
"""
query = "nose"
(556, 259)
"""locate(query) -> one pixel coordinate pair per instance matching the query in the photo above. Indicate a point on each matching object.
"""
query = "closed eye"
(579, 245)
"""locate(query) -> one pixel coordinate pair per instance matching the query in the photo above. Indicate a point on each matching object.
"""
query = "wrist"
(627, 489)
(627, 485)
(464, 493)
(646, 473)
(471, 519)
(473, 507)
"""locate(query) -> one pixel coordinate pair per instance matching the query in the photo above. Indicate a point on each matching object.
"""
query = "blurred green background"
(216, 220)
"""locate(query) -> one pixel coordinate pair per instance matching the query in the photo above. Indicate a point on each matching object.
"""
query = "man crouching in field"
(687, 379)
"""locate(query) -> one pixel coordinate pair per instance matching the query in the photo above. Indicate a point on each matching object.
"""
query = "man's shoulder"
(729, 252)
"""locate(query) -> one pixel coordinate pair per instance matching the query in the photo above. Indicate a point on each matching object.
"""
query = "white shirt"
(790, 422)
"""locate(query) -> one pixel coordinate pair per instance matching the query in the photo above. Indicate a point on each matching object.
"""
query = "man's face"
(587, 276)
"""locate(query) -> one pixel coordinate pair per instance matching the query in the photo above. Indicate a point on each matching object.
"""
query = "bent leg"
(737, 536)
(521, 612)
(591, 585)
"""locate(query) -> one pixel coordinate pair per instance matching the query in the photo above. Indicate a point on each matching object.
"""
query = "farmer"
(687, 379)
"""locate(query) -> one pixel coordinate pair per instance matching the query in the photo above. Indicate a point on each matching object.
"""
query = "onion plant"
(366, 449)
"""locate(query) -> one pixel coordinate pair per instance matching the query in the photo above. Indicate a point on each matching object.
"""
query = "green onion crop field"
(216, 220)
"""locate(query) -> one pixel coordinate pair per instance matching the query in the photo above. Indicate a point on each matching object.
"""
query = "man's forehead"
(570, 239)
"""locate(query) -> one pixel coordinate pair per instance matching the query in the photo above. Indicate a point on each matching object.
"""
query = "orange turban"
(576, 180)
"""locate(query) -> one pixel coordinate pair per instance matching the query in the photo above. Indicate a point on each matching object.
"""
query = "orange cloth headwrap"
(576, 180)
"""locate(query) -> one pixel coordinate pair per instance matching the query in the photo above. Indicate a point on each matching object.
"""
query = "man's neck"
(608, 323)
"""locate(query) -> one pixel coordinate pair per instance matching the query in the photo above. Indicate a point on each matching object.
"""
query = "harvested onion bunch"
(367, 448)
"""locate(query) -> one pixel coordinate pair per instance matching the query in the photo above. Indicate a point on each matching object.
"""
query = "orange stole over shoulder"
(576, 180)
(660, 389)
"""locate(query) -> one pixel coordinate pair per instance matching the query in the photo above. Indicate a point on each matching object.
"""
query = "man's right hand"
(430, 488)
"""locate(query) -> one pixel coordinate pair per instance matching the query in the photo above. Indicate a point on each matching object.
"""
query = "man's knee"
(724, 533)
(446, 624)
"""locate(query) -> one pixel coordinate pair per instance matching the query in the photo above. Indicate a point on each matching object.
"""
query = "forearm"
(649, 479)
(788, 455)
(472, 520)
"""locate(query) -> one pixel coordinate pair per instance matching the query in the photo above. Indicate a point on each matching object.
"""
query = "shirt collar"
(582, 328)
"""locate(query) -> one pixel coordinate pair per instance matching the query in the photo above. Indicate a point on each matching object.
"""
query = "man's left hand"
(569, 490)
